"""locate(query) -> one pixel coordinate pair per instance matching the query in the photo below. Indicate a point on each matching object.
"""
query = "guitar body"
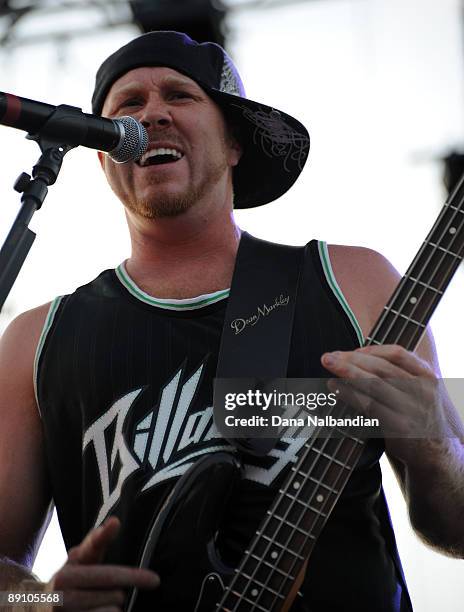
(180, 545)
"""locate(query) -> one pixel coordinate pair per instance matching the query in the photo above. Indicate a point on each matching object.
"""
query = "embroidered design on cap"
(276, 137)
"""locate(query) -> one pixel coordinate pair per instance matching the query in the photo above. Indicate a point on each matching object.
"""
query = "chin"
(172, 206)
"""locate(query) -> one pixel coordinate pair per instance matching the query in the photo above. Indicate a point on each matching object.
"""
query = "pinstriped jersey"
(124, 385)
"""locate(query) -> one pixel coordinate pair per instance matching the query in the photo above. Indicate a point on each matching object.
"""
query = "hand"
(87, 584)
(402, 392)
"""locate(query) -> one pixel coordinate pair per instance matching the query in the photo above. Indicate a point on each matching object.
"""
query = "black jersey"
(124, 385)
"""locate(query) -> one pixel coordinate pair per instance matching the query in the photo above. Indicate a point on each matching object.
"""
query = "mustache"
(154, 138)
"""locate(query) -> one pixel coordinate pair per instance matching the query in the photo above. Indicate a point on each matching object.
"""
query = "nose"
(156, 122)
(156, 115)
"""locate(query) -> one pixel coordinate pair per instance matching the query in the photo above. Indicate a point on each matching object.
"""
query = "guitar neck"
(405, 317)
(292, 525)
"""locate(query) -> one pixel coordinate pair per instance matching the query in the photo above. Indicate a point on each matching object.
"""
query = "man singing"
(106, 394)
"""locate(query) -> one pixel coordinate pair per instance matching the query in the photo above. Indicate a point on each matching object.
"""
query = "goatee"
(176, 204)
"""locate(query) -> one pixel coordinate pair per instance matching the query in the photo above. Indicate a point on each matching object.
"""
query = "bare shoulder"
(361, 267)
(18, 346)
(30, 321)
(366, 278)
(19, 341)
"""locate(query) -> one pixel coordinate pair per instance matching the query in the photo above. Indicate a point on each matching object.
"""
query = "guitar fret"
(437, 246)
(261, 584)
(302, 503)
(456, 208)
(275, 543)
(327, 456)
(346, 435)
(415, 280)
(295, 527)
(399, 314)
(274, 567)
(241, 597)
(315, 480)
(372, 340)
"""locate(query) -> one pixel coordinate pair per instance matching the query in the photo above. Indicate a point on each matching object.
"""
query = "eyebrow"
(169, 81)
(173, 80)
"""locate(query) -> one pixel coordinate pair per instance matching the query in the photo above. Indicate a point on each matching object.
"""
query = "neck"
(183, 256)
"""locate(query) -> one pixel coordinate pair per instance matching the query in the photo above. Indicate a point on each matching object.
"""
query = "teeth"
(160, 151)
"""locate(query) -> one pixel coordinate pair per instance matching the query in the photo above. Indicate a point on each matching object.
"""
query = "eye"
(179, 95)
(130, 102)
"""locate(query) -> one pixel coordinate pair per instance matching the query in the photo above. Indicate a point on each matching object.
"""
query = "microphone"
(124, 139)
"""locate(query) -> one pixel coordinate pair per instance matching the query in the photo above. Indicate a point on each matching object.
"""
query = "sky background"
(379, 84)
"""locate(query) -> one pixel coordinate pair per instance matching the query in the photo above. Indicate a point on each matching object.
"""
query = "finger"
(362, 366)
(405, 397)
(390, 422)
(93, 547)
(103, 577)
(88, 599)
(399, 356)
(351, 364)
(385, 392)
(350, 397)
(378, 365)
(355, 365)
(73, 555)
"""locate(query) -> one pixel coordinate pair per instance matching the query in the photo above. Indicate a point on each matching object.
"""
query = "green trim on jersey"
(169, 304)
(328, 271)
(43, 336)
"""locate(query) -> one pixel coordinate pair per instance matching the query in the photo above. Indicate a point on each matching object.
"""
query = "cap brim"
(275, 149)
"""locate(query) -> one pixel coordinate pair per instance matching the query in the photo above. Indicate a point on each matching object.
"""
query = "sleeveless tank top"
(124, 386)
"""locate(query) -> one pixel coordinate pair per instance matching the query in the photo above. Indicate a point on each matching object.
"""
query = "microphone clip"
(50, 134)
(34, 191)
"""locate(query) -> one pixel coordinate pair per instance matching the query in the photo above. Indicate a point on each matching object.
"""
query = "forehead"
(150, 76)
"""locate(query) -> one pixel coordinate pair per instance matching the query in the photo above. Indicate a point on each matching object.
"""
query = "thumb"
(93, 547)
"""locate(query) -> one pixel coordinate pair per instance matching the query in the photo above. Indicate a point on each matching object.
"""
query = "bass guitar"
(193, 576)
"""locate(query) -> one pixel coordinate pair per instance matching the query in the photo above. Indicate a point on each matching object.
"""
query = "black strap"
(258, 323)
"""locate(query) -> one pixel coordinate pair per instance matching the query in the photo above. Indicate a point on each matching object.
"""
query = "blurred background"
(380, 86)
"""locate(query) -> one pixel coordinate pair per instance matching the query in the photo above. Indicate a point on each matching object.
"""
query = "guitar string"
(268, 544)
(448, 272)
(435, 249)
(290, 506)
(340, 444)
(271, 541)
(318, 515)
(447, 276)
(245, 559)
(305, 476)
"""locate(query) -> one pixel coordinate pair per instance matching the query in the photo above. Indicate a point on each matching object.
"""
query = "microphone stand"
(34, 191)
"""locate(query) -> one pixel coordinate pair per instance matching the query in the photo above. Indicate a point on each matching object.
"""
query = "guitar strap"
(257, 331)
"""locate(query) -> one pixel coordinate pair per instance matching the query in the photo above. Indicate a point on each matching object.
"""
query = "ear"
(101, 159)
(233, 140)
(236, 151)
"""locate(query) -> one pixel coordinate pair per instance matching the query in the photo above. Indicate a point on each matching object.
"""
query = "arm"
(430, 470)
(25, 492)
(25, 498)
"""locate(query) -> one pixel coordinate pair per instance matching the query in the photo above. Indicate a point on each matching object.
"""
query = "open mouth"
(160, 156)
